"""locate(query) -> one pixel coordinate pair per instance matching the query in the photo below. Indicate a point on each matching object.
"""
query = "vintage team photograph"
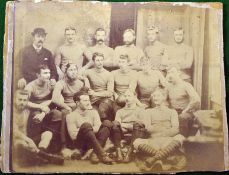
(117, 87)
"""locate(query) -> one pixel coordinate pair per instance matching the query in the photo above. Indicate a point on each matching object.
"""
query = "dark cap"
(40, 31)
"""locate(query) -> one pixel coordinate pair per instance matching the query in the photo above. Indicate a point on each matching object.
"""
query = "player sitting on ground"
(163, 126)
(22, 144)
(86, 130)
(128, 121)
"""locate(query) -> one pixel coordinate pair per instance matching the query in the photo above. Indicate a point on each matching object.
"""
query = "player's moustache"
(100, 40)
(40, 41)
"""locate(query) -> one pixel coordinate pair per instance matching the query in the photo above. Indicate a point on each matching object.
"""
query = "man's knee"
(186, 117)
(20, 143)
(116, 125)
(107, 123)
(86, 127)
(47, 135)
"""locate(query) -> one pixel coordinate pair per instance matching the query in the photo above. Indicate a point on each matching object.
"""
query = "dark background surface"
(226, 43)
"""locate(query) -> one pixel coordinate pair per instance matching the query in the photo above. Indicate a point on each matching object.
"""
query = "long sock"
(102, 135)
(146, 149)
(163, 153)
(95, 143)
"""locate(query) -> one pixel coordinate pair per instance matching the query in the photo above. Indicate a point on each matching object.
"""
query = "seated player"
(147, 81)
(24, 148)
(86, 130)
(128, 121)
(124, 79)
(101, 88)
(184, 99)
(163, 127)
(44, 122)
(63, 97)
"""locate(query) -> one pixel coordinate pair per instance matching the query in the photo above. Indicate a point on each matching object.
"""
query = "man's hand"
(185, 111)
(30, 143)
(44, 109)
(91, 92)
(142, 105)
(39, 117)
(67, 110)
(52, 82)
(21, 83)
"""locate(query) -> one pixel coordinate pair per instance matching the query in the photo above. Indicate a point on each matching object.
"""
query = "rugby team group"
(76, 103)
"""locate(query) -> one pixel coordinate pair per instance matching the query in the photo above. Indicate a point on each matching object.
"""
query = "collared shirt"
(31, 59)
(38, 49)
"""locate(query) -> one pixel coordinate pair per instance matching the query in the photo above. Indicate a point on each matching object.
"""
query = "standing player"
(101, 88)
(155, 51)
(181, 56)
(134, 53)
(184, 99)
(100, 47)
(70, 52)
(163, 126)
(35, 55)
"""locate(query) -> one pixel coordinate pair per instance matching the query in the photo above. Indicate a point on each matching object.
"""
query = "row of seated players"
(60, 116)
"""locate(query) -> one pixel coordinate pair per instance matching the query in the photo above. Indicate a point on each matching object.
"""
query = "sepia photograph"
(108, 87)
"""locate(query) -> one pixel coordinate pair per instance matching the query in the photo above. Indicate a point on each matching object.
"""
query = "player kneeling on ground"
(163, 126)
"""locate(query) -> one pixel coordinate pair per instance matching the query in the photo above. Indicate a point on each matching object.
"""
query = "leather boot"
(119, 155)
(94, 158)
(128, 157)
(54, 159)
